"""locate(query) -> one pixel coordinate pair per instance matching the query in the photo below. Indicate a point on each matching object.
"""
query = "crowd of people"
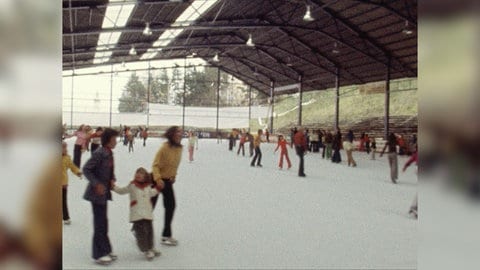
(329, 144)
(145, 187)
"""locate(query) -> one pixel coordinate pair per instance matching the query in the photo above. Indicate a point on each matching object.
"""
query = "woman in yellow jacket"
(164, 170)
(67, 164)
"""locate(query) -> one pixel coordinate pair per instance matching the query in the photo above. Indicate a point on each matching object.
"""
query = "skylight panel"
(190, 15)
(115, 16)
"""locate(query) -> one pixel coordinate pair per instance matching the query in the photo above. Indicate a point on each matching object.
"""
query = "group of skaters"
(146, 186)
(330, 145)
(128, 134)
(143, 189)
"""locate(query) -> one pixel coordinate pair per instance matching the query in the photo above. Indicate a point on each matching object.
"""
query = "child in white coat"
(141, 209)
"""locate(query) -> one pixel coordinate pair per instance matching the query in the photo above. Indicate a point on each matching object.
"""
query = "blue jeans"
(101, 243)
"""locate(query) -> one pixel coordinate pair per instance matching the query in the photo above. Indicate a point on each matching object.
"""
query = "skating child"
(192, 143)
(282, 144)
(141, 209)
(67, 164)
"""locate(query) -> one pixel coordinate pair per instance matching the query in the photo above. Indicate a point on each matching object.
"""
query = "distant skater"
(192, 145)
(391, 144)
(258, 153)
(282, 144)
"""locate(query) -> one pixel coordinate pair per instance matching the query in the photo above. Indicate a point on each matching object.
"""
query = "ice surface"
(232, 216)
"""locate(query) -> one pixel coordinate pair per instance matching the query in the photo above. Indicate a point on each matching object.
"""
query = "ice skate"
(149, 255)
(105, 260)
(113, 256)
(169, 241)
(156, 252)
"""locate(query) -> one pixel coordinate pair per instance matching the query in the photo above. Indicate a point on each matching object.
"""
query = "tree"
(159, 88)
(176, 87)
(200, 91)
(134, 96)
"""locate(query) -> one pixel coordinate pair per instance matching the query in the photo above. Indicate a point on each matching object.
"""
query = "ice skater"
(130, 138)
(144, 135)
(164, 169)
(348, 146)
(141, 210)
(192, 144)
(258, 153)
(336, 145)
(241, 145)
(282, 144)
(392, 156)
(301, 148)
(99, 171)
(327, 149)
(80, 144)
(67, 164)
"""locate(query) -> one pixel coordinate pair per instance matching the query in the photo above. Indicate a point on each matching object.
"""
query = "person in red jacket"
(282, 144)
(300, 147)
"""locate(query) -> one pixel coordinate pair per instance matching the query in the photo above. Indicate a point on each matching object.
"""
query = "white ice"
(233, 216)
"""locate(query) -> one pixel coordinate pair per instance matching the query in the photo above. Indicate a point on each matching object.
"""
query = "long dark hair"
(392, 139)
(170, 133)
(107, 135)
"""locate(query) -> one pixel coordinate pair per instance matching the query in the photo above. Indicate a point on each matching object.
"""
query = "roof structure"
(357, 40)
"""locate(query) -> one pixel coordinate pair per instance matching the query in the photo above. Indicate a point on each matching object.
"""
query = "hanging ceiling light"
(407, 30)
(132, 51)
(255, 73)
(335, 49)
(147, 31)
(215, 58)
(308, 15)
(123, 64)
(250, 41)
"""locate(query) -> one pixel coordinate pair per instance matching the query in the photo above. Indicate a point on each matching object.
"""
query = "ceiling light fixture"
(407, 30)
(147, 31)
(250, 41)
(215, 58)
(255, 73)
(335, 49)
(308, 15)
(132, 51)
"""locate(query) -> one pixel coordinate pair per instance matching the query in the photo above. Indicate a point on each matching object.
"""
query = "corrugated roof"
(367, 35)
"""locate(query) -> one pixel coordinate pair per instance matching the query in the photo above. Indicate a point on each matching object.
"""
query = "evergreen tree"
(176, 87)
(159, 88)
(134, 96)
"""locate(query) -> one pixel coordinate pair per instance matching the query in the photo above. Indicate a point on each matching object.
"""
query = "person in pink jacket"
(140, 191)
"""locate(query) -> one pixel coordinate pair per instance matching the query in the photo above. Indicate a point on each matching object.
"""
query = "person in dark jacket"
(99, 171)
(301, 148)
(336, 145)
